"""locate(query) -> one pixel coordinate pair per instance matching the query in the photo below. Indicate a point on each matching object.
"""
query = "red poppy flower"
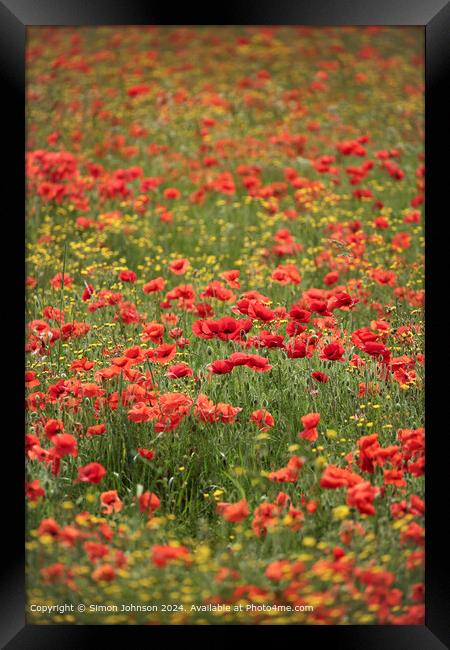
(331, 278)
(335, 477)
(284, 570)
(286, 274)
(288, 474)
(138, 90)
(146, 453)
(376, 349)
(64, 445)
(81, 365)
(149, 502)
(96, 430)
(88, 292)
(48, 527)
(253, 361)
(361, 496)
(91, 473)
(179, 266)
(53, 573)
(179, 370)
(172, 193)
(231, 278)
(58, 280)
(155, 285)
(394, 477)
(111, 501)
(104, 573)
(233, 512)
(263, 419)
(225, 412)
(332, 352)
(162, 555)
(52, 427)
(163, 353)
(30, 379)
(153, 332)
(221, 367)
(320, 377)
(34, 490)
(296, 349)
(341, 300)
(127, 276)
(311, 420)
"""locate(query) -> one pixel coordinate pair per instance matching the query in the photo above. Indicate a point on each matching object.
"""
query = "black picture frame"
(434, 16)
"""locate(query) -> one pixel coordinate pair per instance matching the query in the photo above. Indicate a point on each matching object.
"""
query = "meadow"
(224, 325)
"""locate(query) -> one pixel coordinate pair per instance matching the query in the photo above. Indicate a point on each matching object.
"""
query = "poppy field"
(224, 345)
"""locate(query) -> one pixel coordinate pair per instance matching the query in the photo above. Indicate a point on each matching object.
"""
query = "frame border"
(434, 16)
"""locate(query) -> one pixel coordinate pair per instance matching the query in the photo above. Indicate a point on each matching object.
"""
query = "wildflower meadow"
(224, 377)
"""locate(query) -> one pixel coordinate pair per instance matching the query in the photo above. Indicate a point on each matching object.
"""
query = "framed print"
(228, 363)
